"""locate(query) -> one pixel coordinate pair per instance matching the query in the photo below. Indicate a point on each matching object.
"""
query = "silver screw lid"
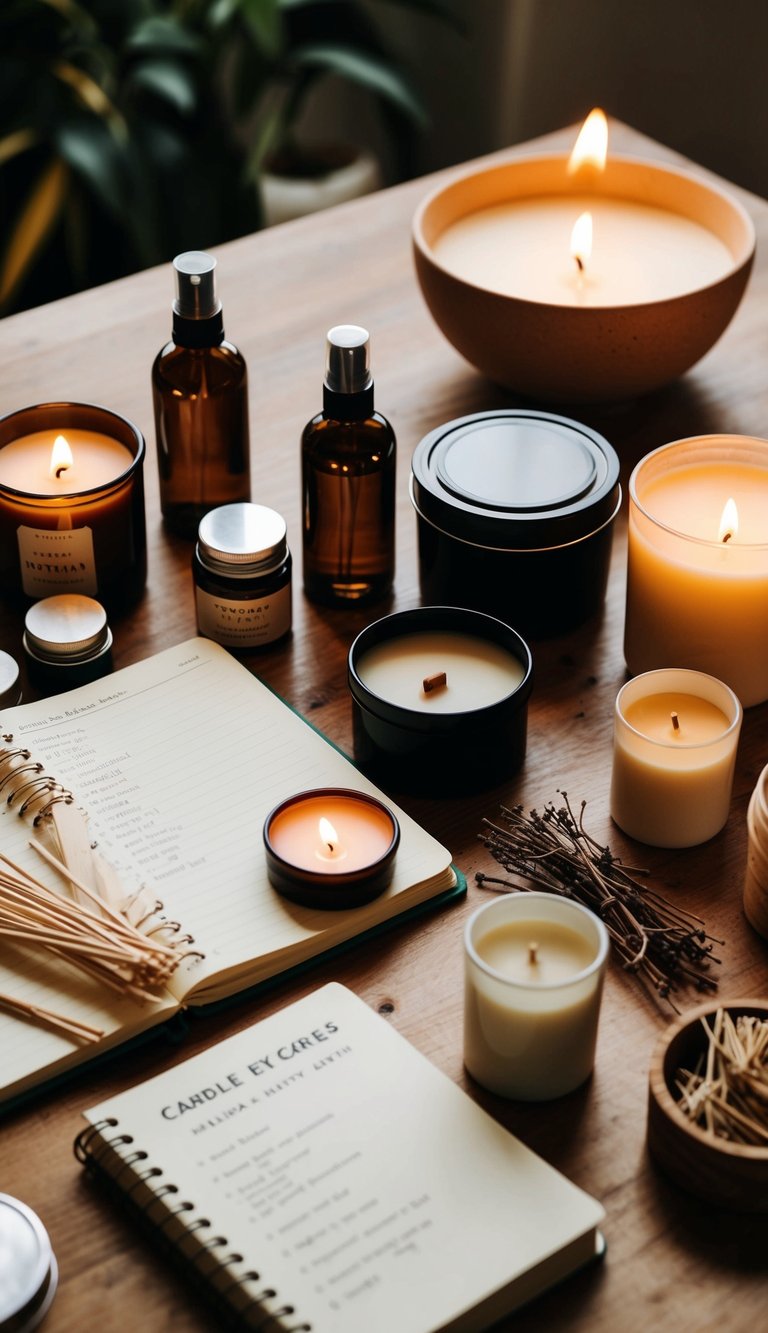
(348, 359)
(66, 628)
(195, 274)
(28, 1270)
(10, 685)
(242, 539)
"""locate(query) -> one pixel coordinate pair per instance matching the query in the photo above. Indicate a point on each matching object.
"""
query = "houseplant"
(134, 129)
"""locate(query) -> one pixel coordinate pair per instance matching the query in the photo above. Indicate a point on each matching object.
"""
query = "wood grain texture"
(672, 1264)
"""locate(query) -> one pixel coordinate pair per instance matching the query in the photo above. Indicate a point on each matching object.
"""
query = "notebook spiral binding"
(43, 791)
(92, 1147)
(37, 796)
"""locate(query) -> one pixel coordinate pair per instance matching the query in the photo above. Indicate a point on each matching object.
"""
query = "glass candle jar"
(72, 504)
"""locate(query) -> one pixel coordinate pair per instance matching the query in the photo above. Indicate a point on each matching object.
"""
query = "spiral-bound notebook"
(177, 760)
(317, 1169)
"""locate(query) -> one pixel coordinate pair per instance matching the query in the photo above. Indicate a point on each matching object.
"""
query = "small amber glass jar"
(242, 572)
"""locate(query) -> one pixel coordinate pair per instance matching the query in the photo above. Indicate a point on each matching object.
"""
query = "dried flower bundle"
(664, 946)
(726, 1095)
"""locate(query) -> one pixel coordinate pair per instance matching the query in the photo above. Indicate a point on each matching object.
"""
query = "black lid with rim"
(516, 480)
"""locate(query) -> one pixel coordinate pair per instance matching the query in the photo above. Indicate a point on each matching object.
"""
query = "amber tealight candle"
(331, 847)
(675, 739)
(534, 967)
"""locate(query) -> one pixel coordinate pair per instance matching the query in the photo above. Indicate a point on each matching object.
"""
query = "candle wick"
(330, 847)
(434, 682)
(675, 722)
(579, 263)
(727, 537)
(533, 953)
(61, 470)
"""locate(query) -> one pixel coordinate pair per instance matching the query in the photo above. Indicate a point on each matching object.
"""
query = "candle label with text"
(244, 624)
(54, 561)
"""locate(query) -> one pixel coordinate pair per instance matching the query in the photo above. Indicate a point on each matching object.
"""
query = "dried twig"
(664, 946)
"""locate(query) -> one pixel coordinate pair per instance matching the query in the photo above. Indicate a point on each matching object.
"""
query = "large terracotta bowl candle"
(572, 280)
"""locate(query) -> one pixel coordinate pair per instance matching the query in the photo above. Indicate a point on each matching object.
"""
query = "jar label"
(244, 624)
(57, 560)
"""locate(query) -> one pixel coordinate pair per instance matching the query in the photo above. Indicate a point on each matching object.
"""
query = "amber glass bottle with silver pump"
(348, 481)
(200, 393)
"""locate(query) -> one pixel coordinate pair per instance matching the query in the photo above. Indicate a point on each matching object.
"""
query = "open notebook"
(332, 1179)
(177, 760)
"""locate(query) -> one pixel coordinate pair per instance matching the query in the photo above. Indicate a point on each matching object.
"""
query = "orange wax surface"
(699, 720)
(364, 834)
(25, 463)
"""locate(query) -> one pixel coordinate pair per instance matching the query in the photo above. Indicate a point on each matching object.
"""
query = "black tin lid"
(516, 480)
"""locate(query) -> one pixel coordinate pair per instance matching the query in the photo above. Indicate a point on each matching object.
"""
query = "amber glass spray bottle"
(200, 393)
(348, 481)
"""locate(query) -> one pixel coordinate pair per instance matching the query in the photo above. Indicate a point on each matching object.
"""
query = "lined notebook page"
(298, 1140)
(177, 761)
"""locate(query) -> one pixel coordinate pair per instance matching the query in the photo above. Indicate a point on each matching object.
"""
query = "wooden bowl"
(729, 1175)
(574, 352)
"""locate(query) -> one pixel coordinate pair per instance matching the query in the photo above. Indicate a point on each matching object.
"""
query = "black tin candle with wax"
(440, 700)
(515, 513)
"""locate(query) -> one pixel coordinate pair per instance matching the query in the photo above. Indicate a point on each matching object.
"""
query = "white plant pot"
(286, 197)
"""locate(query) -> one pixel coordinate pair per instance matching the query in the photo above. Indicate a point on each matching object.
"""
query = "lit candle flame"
(729, 522)
(328, 835)
(61, 457)
(591, 147)
(581, 240)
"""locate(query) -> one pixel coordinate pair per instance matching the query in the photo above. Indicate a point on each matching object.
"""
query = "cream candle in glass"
(697, 577)
(674, 753)
(71, 503)
(534, 968)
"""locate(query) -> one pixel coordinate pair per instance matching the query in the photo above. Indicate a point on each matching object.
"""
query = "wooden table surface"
(672, 1263)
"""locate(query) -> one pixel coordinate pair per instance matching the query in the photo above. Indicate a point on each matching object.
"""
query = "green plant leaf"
(369, 71)
(93, 154)
(263, 19)
(164, 34)
(169, 80)
(33, 226)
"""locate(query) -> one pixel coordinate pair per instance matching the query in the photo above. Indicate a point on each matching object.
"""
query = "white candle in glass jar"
(697, 578)
(675, 739)
(534, 967)
(478, 672)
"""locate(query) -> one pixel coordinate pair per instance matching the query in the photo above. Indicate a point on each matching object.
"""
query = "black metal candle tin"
(515, 514)
(331, 890)
(439, 753)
